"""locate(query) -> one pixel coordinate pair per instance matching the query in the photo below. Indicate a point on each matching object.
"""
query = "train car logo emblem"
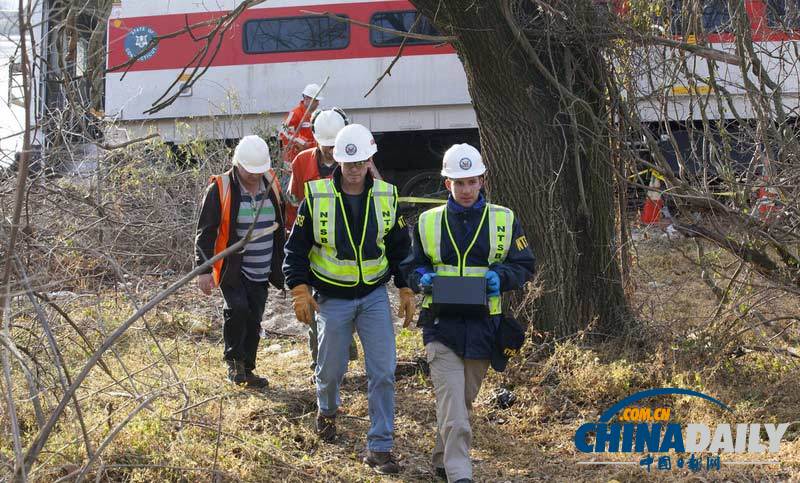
(136, 41)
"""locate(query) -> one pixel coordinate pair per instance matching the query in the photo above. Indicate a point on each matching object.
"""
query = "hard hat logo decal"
(353, 144)
(462, 161)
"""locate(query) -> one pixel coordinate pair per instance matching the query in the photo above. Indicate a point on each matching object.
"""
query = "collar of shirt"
(261, 188)
(454, 207)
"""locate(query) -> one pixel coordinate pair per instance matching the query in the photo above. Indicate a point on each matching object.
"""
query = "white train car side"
(268, 55)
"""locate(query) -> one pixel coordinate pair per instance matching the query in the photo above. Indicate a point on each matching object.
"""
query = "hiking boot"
(382, 462)
(440, 472)
(254, 381)
(326, 428)
(237, 374)
(241, 376)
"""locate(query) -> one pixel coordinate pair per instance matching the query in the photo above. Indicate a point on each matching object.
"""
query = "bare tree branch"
(388, 70)
(61, 368)
(200, 62)
(112, 147)
(38, 443)
(112, 435)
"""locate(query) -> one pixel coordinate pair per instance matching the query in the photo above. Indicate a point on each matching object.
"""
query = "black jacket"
(469, 337)
(208, 225)
(297, 268)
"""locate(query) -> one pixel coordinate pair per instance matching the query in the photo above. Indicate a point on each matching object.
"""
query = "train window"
(399, 21)
(715, 16)
(291, 34)
(783, 14)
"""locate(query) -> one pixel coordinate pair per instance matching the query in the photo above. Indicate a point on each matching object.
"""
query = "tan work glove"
(304, 304)
(408, 305)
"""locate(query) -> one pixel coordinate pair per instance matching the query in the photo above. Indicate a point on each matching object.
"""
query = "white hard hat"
(462, 161)
(312, 90)
(354, 143)
(326, 125)
(252, 155)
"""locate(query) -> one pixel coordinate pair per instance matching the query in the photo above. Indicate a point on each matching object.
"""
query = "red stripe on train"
(177, 52)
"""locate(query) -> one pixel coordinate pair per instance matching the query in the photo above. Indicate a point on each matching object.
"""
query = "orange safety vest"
(223, 182)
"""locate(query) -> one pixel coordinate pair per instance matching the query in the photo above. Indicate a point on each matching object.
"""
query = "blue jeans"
(372, 318)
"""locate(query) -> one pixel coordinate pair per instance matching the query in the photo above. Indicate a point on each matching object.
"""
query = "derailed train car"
(259, 65)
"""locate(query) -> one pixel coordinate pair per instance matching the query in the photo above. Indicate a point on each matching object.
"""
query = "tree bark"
(542, 119)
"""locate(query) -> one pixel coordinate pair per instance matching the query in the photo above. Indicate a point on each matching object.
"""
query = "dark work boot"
(237, 373)
(326, 428)
(254, 381)
(382, 462)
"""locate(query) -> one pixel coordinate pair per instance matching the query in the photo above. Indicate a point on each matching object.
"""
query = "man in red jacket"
(296, 132)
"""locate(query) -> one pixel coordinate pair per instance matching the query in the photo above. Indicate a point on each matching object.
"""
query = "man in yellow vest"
(347, 242)
(467, 237)
(247, 194)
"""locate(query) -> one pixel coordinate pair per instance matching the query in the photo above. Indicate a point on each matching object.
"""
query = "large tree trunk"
(546, 147)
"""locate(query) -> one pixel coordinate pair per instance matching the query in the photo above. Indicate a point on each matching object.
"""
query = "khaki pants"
(456, 382)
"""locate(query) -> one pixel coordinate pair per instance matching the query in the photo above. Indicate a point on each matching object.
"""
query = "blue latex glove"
(492, 283)
(427, 279)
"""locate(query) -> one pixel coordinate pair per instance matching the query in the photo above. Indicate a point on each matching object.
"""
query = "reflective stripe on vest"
(276, 185)
(223, 232)
(223, 182)
(326, 265)
(501, 222)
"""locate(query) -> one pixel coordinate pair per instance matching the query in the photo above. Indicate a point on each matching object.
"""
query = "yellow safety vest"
(323, 198)
(501, 222)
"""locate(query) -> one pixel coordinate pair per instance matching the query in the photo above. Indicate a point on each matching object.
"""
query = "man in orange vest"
(296, 132)
(246, 195)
